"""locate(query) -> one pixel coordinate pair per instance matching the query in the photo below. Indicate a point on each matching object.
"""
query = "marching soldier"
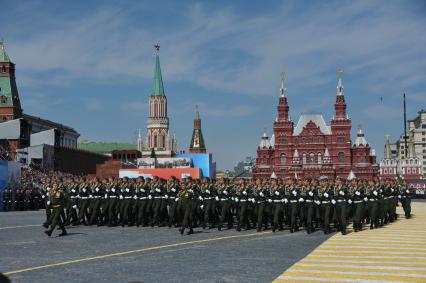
(406, 200)
(341, 205)
(84, 196)
(125, 197)
(57, 200)
(359, 203)
(172, 192)
(277, 196)
(187, 197)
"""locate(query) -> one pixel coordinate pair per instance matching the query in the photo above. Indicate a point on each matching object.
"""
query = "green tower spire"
(157, 86)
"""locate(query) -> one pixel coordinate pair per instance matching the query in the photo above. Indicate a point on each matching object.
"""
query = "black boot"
(48, 233)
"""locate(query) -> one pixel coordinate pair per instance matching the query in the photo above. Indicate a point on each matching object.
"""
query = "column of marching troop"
(312, 204)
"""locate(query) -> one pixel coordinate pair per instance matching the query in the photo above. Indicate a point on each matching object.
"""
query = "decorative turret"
(351, 175)
(272, 140)
(340, 105)
(264, 142)
(296, 158)
(10, 105)
(360, 138)
(283, 107)
(197, 142)
(327, 159)
(388, 152)
(139, 141)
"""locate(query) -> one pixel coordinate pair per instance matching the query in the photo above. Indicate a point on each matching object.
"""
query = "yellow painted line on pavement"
(347, 269)
(22, 226)
(133, 252)
(393, 253)
(353, 276)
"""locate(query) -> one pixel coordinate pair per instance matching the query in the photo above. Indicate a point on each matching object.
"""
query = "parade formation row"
(313, 204)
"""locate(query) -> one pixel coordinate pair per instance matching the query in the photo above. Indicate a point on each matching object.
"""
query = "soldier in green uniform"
(242, 196)
(97, 193)
(172, 192)
(341, 205)
(209, 205)
(262, 195)
(293, 201)
(125, 203)
(406, 199)
(187, 197)
(84, 194)
(310, 205)
(45, 197)
(72, 216)
(277, 197)
(223, 198)
(359, 202)
(57, 200)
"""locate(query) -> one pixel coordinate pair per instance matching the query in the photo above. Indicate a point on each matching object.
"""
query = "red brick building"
(312, 148)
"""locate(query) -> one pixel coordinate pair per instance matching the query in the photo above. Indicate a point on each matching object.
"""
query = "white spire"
(340, 87)
(272, 140)
(273, 175)
(283, 90)
(326, 153)
(139, 141)
(264, 142)
(360, 138)
(296, 153)
(351, 175)
(387, 147)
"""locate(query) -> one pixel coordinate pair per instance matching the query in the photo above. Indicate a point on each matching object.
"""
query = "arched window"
(319, 158)
(164, 141)
(341, 157)
(3, 69)
(155, 141)
(311, 158)
(386, 171)
(304, 158)
(408, 170)
(283, 158)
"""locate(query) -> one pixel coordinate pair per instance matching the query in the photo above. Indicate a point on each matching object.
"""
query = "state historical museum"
(312, 148)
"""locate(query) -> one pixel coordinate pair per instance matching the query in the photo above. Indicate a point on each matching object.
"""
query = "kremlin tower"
(197, 141)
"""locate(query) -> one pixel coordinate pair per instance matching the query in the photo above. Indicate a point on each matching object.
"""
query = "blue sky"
(89, 64)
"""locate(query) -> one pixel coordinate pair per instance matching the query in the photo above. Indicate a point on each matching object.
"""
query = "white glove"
(173, 190)
(157, 190)
(357, 193)
(294, 193)
(399, 196)
(253, 200)
(113, 190)
(84, 190)
(121, 197)
(225, 192)
(150, 197)
(277, 193)
(349, 201)
(73, 190)
(191, 191)
(74, 206)
(90, 196)
(200, 198)
(135, 197)
(176, 199)
(310, 193)
(326, 195)
(244, 193)
(48, 189)
(232, 198)
(365, 199)
(392, 190)
(208, 191)
(216, 198)
(48, 202)
(97, 189)
(301, 200)
(236, 200)
(43, 196)
(407, 191)
(285, 200)
(261, 194)
(342, 193)
(166, 196)
(269, 200)
(333, 201)
(201, 206)
(127, 190)
(375, 193)
(318, 202)
(106, 195)
(142, 190)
